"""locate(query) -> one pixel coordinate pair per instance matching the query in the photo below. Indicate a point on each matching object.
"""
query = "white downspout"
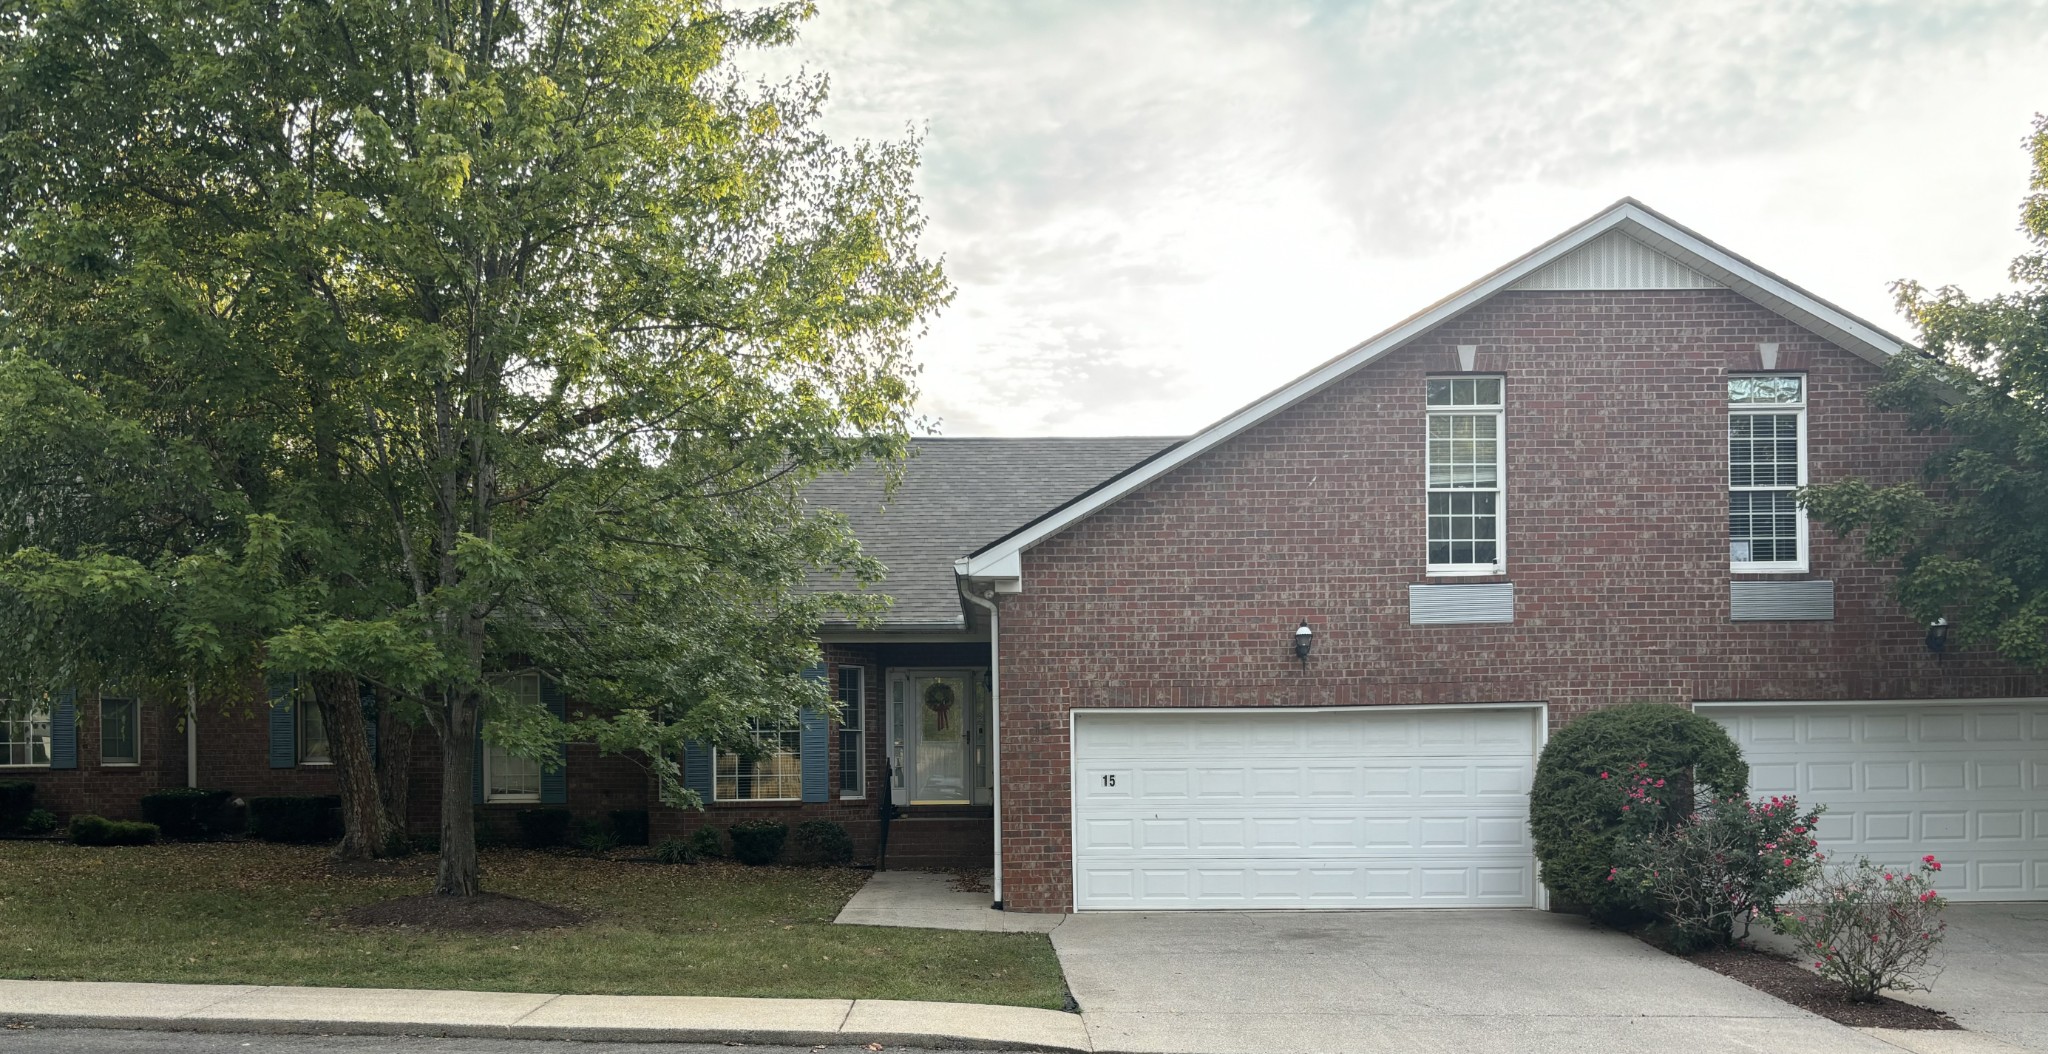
(995, 733)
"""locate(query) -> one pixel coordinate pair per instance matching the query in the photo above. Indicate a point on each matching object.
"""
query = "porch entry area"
(939, 737)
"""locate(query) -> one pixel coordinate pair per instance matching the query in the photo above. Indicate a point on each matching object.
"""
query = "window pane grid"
(776, 775)
(119, 738)
(1765, 469)
(1463, 476)
(25, 740)
(852, 731)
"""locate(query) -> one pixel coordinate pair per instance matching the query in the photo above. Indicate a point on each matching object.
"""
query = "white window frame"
(305, 705)
(857, 706)
(135, 723)
(527, 685)
(1500, 478)
(27, 724)
(1798, 410)
(760, 731)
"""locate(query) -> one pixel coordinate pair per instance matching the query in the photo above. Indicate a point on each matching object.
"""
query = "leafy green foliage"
(1972, 539)
(188, 813)
(1580, 806)
(98, 830)
(706, 842)
(629, 826)
(823, 843)
(17, 799)
(543, 828)
(676, 851)
(295, 818)
(1721, 866)
(757, 842)
(1871, 927)
(424, 343)
(39, 821)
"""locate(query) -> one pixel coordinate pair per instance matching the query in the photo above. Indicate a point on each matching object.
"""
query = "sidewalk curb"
(539, 1016)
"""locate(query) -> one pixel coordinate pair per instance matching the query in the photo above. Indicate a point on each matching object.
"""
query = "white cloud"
(1155, 212)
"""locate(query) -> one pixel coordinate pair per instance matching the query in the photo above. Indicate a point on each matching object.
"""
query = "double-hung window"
(120, 732)
(25, 740)
(772, 771)
(852, 732)
(507, 776)
(1766, 468)
(1466, 466)
(314, 748)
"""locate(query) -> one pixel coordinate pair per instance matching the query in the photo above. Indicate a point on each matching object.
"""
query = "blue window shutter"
(817, 751)
(554, 782)
(476, 765)
(368, 695)
(697, 769)
(64, 730)
(284, 725)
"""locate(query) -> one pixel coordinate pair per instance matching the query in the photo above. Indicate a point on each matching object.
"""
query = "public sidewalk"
(517, 1015)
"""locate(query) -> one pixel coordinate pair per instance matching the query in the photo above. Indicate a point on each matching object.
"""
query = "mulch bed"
(483, 913)
(1795, 984)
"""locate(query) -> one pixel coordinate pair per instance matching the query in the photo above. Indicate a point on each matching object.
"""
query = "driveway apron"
(1470, 982)
(1994, 977)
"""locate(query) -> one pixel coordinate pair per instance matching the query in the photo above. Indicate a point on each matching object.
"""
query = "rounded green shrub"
(757, 842)
(98, 830)
(822, 843)
(187, 814)
(39, 821)
(1576, 816)
(706, 842)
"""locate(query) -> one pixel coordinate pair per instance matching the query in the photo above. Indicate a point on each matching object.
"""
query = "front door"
(940, 739)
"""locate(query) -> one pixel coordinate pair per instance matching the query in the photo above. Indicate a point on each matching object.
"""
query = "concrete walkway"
(928, 900)
(516, 1015)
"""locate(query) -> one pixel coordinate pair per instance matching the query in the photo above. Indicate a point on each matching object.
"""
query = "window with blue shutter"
(697, 770)
(554, 782)
(816, 750)
(64, 730)
(284, 725)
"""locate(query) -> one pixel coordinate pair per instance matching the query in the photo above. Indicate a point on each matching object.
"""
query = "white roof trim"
(1001, 558)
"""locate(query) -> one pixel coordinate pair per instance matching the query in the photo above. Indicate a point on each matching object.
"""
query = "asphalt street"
(111, 1041)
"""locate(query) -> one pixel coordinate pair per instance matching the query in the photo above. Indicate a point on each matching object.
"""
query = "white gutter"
(995, 733)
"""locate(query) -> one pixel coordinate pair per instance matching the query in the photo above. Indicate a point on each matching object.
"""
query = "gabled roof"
(1681, 251)
(956, 496)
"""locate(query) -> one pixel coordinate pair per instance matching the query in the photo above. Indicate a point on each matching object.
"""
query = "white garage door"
(1385, 807)
(1967, 783)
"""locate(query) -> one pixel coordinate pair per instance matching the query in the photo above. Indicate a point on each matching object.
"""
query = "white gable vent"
(1455, 604)
(1615, 261)
(1781, 601)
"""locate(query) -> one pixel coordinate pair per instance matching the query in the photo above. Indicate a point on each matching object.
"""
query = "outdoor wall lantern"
(1937, 636)
(1304, 639)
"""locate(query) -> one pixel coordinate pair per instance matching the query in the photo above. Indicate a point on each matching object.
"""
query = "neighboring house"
(1567, 486)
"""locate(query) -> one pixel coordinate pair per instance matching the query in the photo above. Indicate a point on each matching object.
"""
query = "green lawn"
(251, 913)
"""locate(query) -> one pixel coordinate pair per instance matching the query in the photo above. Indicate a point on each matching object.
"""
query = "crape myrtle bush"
(1713, 871)
(1870, 927)
(1578, 819)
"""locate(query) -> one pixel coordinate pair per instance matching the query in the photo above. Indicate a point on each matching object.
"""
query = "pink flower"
(1624, 808)
(1925, 897)
(1928, 859)
(1603, 775)
(1935, 865)
(1788, 861)
(1887, 876)
(1642, 764)
(1660, 783)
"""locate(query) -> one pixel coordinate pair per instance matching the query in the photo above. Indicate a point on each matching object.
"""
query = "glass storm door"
(939, 720)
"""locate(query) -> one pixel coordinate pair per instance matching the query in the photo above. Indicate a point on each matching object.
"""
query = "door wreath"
(938, 698)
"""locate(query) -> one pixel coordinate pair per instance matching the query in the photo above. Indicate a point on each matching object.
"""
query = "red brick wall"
(1187, 593)
(110, 790)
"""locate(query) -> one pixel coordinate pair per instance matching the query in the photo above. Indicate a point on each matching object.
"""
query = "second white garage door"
(1378, 807)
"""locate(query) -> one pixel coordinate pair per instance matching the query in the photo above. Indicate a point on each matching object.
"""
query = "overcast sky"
(1156, 212)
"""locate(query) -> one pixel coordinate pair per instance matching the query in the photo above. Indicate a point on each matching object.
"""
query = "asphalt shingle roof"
(958, 495)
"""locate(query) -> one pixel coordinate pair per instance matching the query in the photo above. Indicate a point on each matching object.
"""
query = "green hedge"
(822, 843)
(98, 830)
(17, 800)
(296, 818)
(188, 814)
(1576, 816)
(757, 842)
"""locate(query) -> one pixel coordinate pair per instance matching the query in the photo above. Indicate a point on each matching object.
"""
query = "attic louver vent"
(1456, 604)
(1781, 601)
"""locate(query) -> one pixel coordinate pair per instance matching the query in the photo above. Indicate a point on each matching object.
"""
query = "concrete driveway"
(1470, 982)
(1995, 980)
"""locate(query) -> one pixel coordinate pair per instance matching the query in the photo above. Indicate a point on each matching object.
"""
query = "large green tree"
(1972, 538)
(420, 344)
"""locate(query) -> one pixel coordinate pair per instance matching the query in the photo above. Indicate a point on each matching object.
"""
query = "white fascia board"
(1003, 558)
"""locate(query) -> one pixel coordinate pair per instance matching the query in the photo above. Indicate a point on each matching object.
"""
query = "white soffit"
(1628, 216)
(1615, 261)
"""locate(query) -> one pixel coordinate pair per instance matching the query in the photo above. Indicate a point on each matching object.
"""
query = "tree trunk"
(367, 831)
(394, 767)
(458, 876)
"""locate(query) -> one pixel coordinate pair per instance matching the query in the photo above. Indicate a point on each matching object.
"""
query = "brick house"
(1306, 657)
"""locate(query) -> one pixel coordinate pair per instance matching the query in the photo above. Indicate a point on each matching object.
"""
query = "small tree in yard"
(422, 344)
(1871, 927)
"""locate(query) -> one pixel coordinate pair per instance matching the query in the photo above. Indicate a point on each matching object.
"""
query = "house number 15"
(1109, 781)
